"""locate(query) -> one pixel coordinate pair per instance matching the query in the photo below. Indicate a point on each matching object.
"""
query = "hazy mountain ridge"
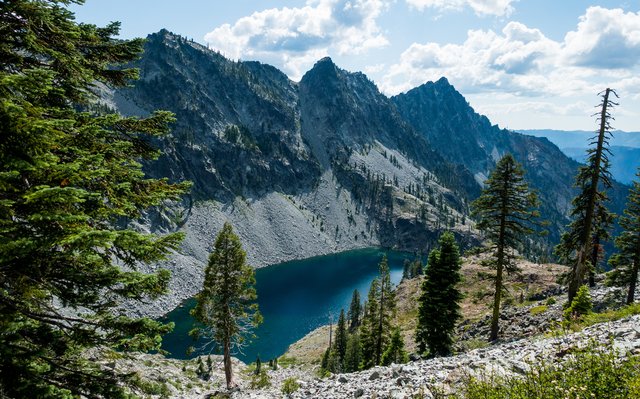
(624, 146)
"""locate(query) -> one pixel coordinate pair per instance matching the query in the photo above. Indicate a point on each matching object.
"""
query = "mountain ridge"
(323, 165)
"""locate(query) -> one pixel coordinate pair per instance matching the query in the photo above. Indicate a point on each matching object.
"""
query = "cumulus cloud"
(510, 60)
(603, 50)
(293, 38)
(480, 7)
(605, 39)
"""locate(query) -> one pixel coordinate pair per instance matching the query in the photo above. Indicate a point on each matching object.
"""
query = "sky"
(526, 64)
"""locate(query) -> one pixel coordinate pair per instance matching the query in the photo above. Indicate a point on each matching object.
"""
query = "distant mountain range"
(625, 148)
(325, 164)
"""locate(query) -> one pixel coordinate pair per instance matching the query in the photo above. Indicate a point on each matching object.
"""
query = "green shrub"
(551, 301)
(260, 380)
(289, 386)
(538, 309)
(580, 306)
(590, 373)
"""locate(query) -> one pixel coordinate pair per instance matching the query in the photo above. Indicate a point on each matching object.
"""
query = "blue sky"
(523, 63)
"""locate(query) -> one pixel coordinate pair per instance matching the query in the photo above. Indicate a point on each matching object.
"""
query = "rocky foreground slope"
(424, 377)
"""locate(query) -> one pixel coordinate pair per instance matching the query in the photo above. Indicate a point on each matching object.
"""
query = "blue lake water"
(295, 298)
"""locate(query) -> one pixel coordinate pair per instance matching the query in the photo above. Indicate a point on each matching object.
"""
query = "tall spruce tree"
(577, 244)
(368, 328)
(506, 214)
(395, 352)
(67, 178)
(226, 305)
(439, 309)
(355, 311)
(353, 357)
(626, 263)
(341, 341)
(386, 309)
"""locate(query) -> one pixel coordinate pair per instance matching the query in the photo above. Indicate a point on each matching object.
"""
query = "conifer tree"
(369, 325)
(386, 309)
(226, 305)
(626, 262)
(439, 309)
(341, 340)
(395, 352)
(354, 311)
(353, 356)
(66, 177)
(506, 214)
(576, 245)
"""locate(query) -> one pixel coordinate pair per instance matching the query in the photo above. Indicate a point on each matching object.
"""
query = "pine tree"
(626, 263)
(341, 340)
(506, 215)
(354, 311)
(603, 220)
(386, 309)
(226, 305)
(395, 352)
(581, 304)
(353, 357)
(439, 308)
(369, 325)
(66, 177)
(576, 245)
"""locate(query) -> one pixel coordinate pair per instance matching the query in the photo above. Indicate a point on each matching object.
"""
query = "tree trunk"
(496, 302)
(634, 278)
(379, 342)
(228, 371)
(595, 254)
(579, 270)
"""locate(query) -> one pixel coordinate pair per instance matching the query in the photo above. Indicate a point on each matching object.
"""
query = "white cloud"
(294, 38)
(510, 60)
(480, 7)
(603, 51)
(605, 39)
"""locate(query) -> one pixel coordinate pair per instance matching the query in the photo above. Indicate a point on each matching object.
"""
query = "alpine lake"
(294, 298)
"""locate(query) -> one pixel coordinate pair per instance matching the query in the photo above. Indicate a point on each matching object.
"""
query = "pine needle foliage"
(227, 306)
(626, 262)
(67, 179)
(439, 309)
(506, 213)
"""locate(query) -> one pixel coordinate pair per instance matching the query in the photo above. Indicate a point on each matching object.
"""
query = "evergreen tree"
(369, 325)
(395, 352)
(505, 213)
(626, 263)
(341, 340)
(353, 357)
(324, 364)
(603, 220)
(386, 309)
(226, 305)
(354, 311)
(66, 177)
(258, 365)
(439, 308)
(576, 245)
(581, 304)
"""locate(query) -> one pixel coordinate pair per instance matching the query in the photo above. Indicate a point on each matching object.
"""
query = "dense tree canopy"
(67, 179)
